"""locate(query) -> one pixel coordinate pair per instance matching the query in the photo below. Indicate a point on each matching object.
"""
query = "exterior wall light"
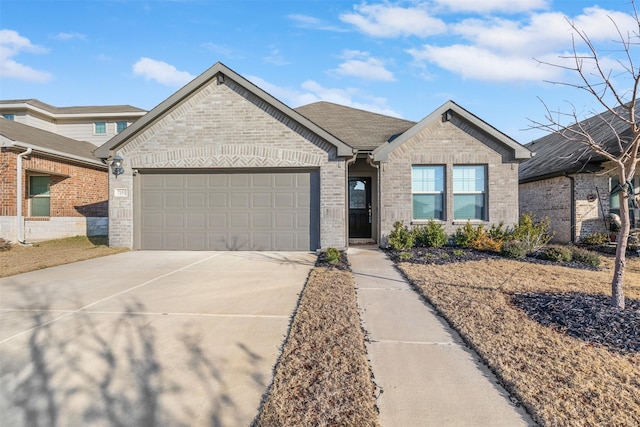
(116, 166)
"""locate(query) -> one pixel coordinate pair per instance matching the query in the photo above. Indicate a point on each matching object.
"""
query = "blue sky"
(400, 58)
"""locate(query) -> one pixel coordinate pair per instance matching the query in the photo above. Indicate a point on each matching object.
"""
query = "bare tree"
(614, 87)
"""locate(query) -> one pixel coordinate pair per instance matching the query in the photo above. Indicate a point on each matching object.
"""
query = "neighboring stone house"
(571, 185)
(51, 186)
(222, 165)
(95, 124)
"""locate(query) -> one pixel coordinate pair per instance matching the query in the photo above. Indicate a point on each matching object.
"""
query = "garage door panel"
(229, 211)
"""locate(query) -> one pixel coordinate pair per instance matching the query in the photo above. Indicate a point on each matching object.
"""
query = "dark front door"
(359, 208)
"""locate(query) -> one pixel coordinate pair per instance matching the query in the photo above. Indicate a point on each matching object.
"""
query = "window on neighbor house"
(100, 128)
(120, 126)
(469, 192)
(427, 188)
(9, 116)
(614, 200)
(39, 195)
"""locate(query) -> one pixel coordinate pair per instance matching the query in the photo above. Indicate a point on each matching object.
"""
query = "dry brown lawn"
(323, 377)
(562, 381)
(22, 259)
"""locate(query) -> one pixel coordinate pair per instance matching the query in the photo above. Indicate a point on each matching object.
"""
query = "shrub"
(467, 234)
(585, 256)
(534, 234)
(405, 256)
(400, 238)
(332, 256)
(513, 249)
(556, 253)
(431, 235)
(485, 243)
(499, 233)
(5, 245)
(595, 239)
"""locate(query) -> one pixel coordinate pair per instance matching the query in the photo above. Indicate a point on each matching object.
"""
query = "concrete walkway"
(425, 373)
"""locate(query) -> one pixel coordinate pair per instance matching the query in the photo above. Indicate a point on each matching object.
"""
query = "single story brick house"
(51, 186)
(571, 185)
(223, 165)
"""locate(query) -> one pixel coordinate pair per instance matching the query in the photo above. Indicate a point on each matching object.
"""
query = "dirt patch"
(22, 259)
(323, 375)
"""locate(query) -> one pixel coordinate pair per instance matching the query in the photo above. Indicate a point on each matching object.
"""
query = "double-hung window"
(120, 126)
(469, 192)
(39, 195)
(427, 188)
(100, 128)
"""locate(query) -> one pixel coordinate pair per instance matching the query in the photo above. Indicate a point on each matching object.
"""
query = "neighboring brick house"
(95, 124)
(566, 182)
(61, 185)
(222, 165)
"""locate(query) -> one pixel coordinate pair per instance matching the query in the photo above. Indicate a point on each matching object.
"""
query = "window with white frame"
(120, 126)
(39, 195)
(614, 199)
(469, 192)
(100, 128)
(427, 188)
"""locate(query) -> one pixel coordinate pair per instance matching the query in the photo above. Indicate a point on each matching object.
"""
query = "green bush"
(467, 234)
(585, 256)
(431, 235)
(332, 256)
(400, 238)
(533, 233)
(513, 249)
(556, 253)
(595, 239)
(405, 256)
(499, 233)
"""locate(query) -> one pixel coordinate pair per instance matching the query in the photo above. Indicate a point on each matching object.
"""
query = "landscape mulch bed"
(322, 377)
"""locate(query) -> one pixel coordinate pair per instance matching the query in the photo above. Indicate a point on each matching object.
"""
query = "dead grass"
(22, 259)
(323, 376)
(563, 381)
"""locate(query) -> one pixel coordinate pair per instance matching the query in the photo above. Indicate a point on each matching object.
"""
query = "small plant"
(444, 255)
(485, 243)
(533, 233)
(585, 256)
(405, 256)
(595, 239)
(513, 249)
(458, 252)
(498, 232)
(467, 234)
(5, 245)
(431, 235)
(556, 254)
(332, 256)
(400, 238)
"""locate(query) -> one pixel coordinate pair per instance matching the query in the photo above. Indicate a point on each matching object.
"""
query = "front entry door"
(360, 208)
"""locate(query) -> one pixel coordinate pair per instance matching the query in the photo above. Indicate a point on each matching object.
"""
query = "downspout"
(378, 193)
(19, 229)
(347, 163)
(572, 180)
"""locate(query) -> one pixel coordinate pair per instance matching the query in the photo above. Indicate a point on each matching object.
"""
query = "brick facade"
(448, 143)
(227, 126)
(76, 191)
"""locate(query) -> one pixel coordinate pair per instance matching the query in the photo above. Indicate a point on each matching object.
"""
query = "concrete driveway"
(145, 338)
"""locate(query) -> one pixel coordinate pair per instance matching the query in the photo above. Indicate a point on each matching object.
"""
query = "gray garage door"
(247, 210)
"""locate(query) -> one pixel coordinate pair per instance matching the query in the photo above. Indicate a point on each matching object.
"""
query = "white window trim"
(30, 197)
(442, 193)
(485, 192)
(95, 129)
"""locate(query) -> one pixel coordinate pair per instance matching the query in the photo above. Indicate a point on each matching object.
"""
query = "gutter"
(19, 229)
(58, 154)
(572, 212)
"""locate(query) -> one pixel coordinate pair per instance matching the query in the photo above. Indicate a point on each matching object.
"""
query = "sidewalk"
(425, 373)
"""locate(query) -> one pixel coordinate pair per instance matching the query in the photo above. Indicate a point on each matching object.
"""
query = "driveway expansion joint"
(435, 343)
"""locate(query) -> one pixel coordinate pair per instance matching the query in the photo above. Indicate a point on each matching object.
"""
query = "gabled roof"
(60, 112)
(519, 151)
(120, 140)
(555, 155)
(360, 129)
(14, 134)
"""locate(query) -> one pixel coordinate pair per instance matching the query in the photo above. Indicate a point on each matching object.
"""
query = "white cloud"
(386, 20)
(311, 91)
(361, 65)
(69, 36)
(161, 72)
(498, 49)
(485, 6)
(11, 45)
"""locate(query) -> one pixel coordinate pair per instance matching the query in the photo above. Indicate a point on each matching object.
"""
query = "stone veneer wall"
(448, 143)
(226, 126)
